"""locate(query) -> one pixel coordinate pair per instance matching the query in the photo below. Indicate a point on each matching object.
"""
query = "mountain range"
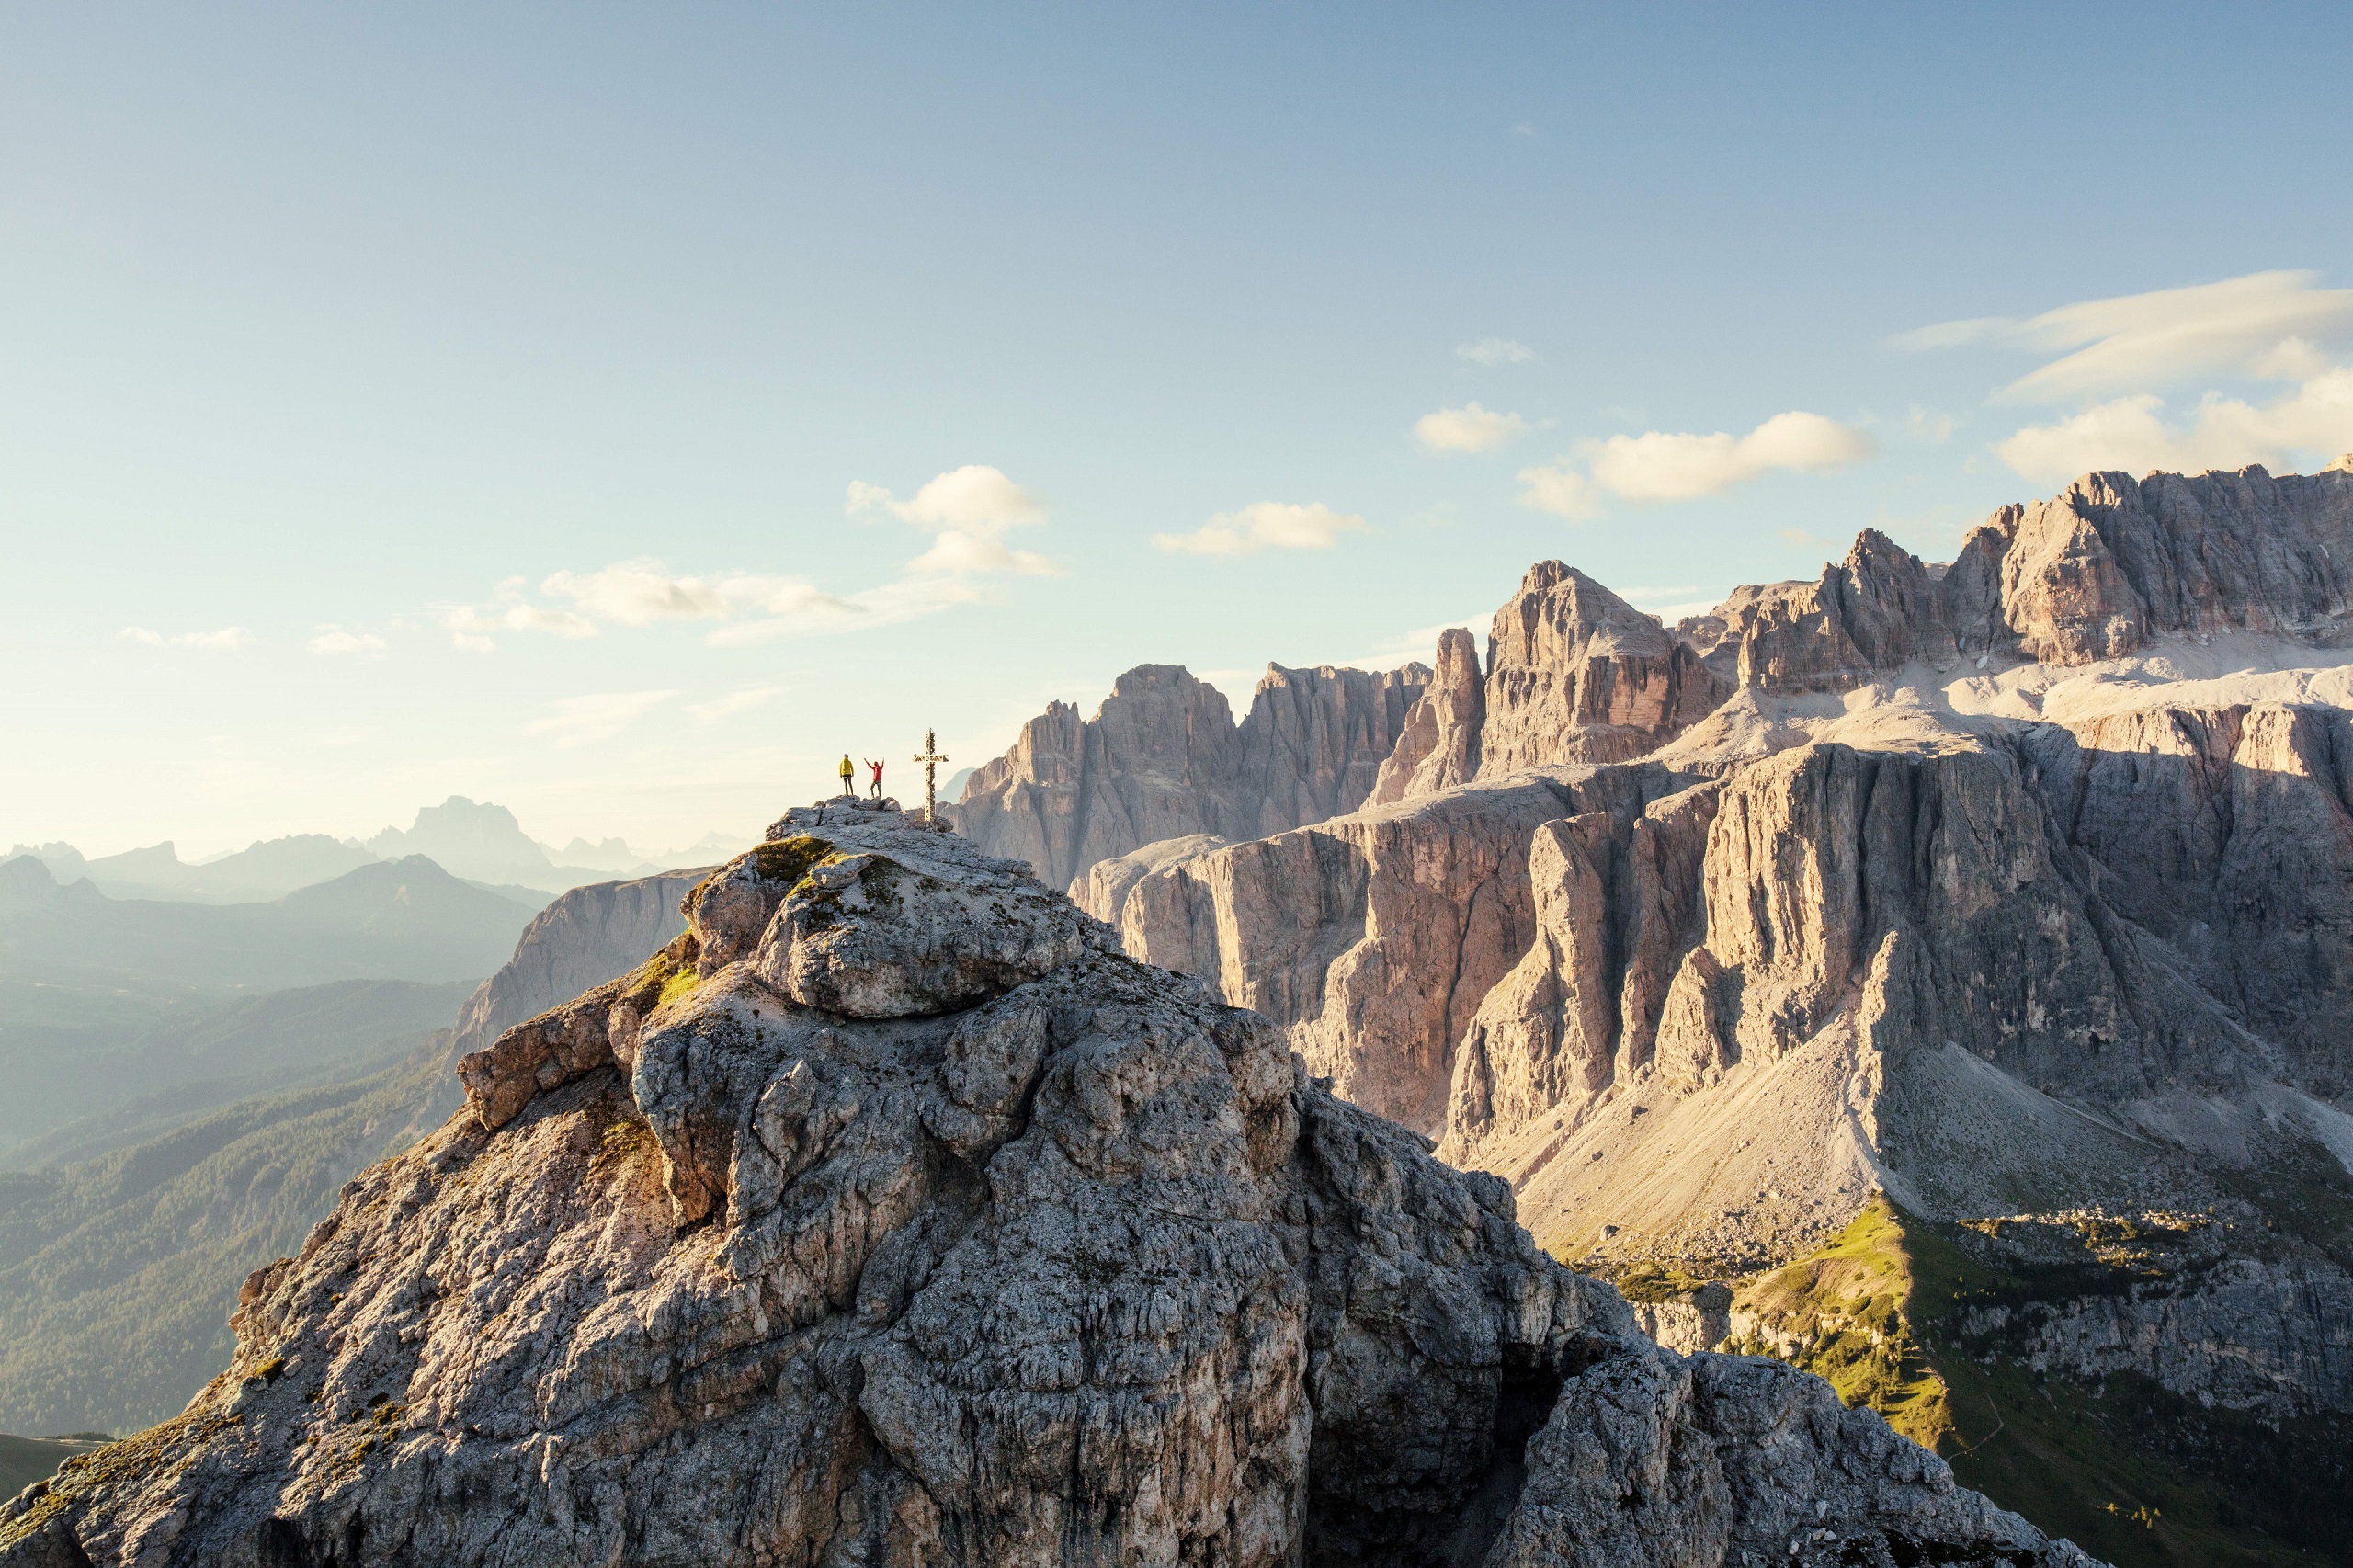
(1926, 971)
(1924, 974)
(889, 1213)
(478, 841)
(228, 1133)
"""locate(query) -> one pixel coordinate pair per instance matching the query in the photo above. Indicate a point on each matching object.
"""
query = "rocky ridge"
(890, 1213)
(1164, 759)
(2016, 885)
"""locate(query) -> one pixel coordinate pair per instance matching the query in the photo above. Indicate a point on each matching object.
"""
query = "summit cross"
(931, 759)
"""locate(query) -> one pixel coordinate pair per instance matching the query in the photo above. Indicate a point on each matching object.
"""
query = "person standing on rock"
(875, 788)
(848, 774)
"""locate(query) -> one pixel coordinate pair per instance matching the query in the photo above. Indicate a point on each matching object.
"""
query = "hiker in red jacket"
(875, 788)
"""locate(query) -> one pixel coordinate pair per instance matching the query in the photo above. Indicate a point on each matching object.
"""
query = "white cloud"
(954, 550)
(335, 639)
(975, 497)
(1264, 524)
(1930, 426)
(223, 641)
(1657, 466)
(638, 593)
(556, 622)
(1469, 428)
(581, 721)
(1564, 492)
(968, 509)
(2136, 341)
(891, 604)
(734, 702)
(1495, 351)
(2130, 433)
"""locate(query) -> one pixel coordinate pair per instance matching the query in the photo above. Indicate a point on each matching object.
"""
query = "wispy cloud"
(1560, 490)
(2133, 434)
(335, 639)
(2137, 342)
(1495, 351)
(1677, 466)
(600, 716)
(890, 604)
(223, 640)
(1264, 524)
(640, 593)
(965, 511)
(1657, 466)
(1469, 428)
(1930, 426)
(2115, 354)
(734, 702)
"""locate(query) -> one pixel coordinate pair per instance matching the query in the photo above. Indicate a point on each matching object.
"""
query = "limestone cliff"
(581, 938)
(2015, 887)
(891, 1215)
(1163, 758)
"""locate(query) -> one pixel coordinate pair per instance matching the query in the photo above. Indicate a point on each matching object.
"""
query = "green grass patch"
(680, 985)
(1650, 1283)
(1843, 1313)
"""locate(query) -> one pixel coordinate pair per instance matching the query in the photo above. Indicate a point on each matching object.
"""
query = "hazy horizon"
(618, 417)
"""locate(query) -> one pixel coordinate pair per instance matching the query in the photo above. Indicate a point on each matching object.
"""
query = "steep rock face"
(1616, 913)
(584, 936)
(1439, 746)
(1575, 674)
(1082, 1271)
(1883, 957)
(1313, 741)
(1874, 611)
(1373, 937)
(2093, 573)
(1163, 758)
(2226, 832)
(2274, 1336)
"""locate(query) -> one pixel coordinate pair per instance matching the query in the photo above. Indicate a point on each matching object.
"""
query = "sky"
(619, 412)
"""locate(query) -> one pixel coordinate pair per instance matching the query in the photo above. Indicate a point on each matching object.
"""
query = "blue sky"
(409, 401)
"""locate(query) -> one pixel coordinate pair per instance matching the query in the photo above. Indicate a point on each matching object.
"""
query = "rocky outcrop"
(1439, 746)
(1078, 1269)
(1876, 611)
(1163, 759)
(2273, 1336)
(1373, 937)
(1575, 674)
(2228, 832)
(2093, 573)
(584, 936)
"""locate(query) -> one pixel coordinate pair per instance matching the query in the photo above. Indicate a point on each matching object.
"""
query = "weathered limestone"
(2093, 573)
(1081, 1269)
(1164, 759)
(1575, 674)
(576, 942)
(1439, 746)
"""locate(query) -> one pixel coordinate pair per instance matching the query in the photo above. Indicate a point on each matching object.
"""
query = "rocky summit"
(892, 1215)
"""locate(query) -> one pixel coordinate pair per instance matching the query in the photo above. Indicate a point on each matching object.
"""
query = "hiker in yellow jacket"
(848, 774)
